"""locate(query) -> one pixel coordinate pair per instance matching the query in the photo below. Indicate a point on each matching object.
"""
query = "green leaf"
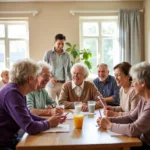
(88, 64)
(68, 49)
(74, 46)
(68, 44)
(75, 54)
(85, 56)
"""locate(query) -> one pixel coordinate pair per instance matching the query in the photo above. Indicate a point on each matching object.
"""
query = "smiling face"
(43, 78)
(78, 75)
(102, 73)
(59, 44)
(121, 78)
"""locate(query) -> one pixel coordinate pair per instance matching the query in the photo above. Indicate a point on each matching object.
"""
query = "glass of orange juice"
(78, 121)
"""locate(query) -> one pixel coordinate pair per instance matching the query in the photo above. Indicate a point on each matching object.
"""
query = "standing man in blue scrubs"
(59, 59)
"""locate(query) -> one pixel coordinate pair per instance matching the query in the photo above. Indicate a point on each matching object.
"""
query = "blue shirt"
(14, 115)
(109, 88)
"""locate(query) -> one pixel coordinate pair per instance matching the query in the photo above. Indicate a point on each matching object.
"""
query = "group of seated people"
(24, 99)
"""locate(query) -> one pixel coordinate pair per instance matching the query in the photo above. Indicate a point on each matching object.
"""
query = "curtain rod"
(73, 12)
(33, 12)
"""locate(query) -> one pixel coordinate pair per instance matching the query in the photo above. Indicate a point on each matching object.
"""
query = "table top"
(90, 135)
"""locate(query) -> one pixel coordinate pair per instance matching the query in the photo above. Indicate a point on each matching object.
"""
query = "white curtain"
(129, 35)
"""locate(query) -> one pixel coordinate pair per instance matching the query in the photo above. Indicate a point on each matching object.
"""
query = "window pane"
(107, 53)
(17, 31)
(17, 50)
(109, 28)
(92, 45)
(90, 29)
(2, 30)
(2, 54)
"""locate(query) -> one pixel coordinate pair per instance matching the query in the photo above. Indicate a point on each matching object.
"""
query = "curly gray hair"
(141, 72)
(43, 65)
(23, 69)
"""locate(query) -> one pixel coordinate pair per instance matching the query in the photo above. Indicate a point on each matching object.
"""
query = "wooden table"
(89, 138)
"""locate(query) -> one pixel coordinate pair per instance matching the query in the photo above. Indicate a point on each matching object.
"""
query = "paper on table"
(88, 113)
(113, 133)
(69, 116)
(60, 128)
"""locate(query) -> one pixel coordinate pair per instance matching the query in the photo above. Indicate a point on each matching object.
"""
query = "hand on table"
(104, 123)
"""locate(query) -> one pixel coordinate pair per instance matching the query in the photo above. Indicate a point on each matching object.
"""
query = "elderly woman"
(78, 89)
(14, 113)
(4, 77)
(137, 123)
(128, 96)
(38, 101)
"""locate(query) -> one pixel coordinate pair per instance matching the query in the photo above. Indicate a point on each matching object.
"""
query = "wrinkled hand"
(110, 113)
(84, 107)
(109, 108)
(105, 123)
(98, 105)
(59, 111)
(55, 120)
(99, 121)
(56, 111)
(53, 80)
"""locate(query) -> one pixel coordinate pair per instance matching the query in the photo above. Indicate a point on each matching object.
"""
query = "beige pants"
(54, 92)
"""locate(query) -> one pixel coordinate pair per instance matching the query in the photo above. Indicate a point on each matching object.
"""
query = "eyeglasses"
(46, 76)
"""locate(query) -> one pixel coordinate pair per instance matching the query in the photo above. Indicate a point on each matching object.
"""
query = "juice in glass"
(78, 121)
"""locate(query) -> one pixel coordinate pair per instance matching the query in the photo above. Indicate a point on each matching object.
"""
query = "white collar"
(74, 85)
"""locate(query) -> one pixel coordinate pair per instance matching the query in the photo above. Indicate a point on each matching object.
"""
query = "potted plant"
(83, 55)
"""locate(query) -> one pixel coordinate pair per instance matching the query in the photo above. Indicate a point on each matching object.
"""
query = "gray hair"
(3, 71)
(23, 69)
(43, 65)
(102, 64)
(85, 69)
(141, 72)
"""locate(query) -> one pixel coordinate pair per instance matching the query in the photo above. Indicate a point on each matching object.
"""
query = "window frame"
(8, 40)
(99, 20)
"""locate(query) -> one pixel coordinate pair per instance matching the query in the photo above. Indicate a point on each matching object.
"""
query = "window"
(100, 35)
(13, 42)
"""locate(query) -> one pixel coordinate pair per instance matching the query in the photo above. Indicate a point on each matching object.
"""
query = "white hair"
(102, 64)
(141, 72)
(3, 71)
(23, 69)
(85, 69)
(43, 65)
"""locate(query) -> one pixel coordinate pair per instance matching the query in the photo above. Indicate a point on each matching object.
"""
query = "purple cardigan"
(137, 123)
(14, 115)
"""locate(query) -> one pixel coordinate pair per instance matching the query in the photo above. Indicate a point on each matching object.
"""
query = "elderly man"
(59, 59)
(78, 89)
(39, 101)
(4, 77)
(107, 85)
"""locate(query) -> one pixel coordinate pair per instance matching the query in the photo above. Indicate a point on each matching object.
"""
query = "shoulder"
(66, 54)
(89, 84)
(96, 80)
(43, 90)
(48, 52)
(111, 78)
(31, 94)
(11, 94)
(67, 84)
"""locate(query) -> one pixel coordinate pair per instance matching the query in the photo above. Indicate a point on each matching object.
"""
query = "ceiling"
(63, 0)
